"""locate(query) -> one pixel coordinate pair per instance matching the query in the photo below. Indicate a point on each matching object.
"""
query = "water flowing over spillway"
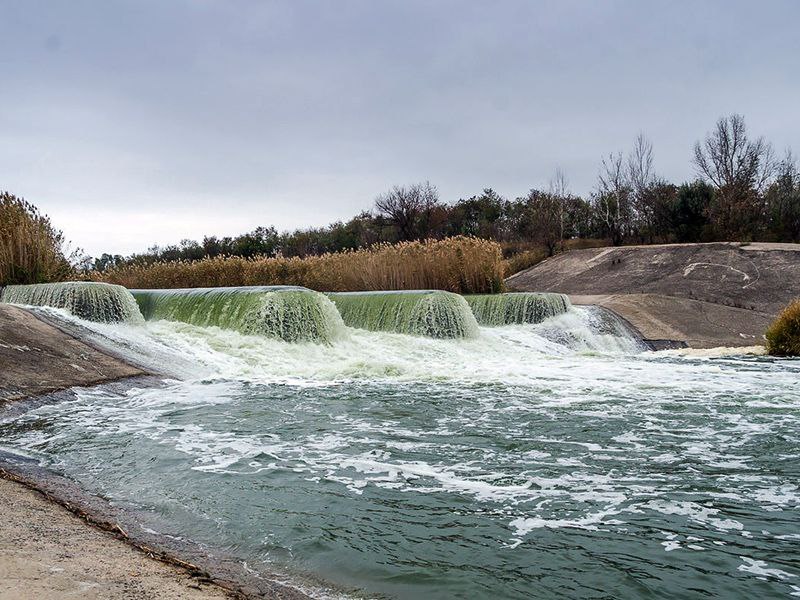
(426, 313)
(550, 459)
(292, 314)
(516, 308)
(99, 302)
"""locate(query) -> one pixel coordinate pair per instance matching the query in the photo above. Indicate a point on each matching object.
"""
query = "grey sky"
(133, 123)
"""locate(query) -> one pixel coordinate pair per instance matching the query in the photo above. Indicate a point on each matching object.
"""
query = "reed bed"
(464, 265)
(30, 247)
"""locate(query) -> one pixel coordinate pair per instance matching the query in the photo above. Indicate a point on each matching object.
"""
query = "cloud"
(219, 115)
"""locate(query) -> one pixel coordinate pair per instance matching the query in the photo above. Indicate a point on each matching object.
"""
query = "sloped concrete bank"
(699, 295)
(58, 541)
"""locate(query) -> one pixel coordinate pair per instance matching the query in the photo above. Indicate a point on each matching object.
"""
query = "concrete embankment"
(700, 295)
(46, 551)
(38, 358)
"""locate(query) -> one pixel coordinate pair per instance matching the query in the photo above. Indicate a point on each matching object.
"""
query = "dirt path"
(47, 553)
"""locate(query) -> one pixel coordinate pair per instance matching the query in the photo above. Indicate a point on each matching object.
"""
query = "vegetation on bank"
(742, 193)
(783, 336)
(30, 247)
(464, 265)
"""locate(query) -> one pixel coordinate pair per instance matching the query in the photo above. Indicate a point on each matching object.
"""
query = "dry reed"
(30, 247)
(459, 264)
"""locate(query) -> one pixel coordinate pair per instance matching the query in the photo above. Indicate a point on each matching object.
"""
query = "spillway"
(293, 314)
(516, 308)
(101, 302)
(428, 313)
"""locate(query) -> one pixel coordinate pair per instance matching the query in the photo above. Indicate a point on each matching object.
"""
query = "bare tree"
(729, 159)
(409, 210)
(612, 201)
(740, 169)
(640, 164)
(559, 195)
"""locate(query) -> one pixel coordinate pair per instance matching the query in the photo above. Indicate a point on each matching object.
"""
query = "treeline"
(742, 192)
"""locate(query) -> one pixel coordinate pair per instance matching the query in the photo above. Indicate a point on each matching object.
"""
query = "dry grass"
(460, 264)
(783, 336)
(30, 248)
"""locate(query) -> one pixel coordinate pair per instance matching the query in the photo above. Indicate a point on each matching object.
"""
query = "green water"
(516, 308)
(433, 314)
(554, 460)
(291, 314)
(100, 302)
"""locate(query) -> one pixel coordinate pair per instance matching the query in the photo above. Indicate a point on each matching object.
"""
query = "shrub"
(783, 336)
(30, 247)
(463, 265)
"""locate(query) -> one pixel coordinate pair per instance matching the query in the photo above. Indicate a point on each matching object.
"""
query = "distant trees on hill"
(742, 192)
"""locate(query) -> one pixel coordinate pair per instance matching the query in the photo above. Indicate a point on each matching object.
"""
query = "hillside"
(704, 295)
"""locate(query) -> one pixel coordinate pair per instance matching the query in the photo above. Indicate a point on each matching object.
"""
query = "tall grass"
(30, 247)
(460, 264)
(783, 336)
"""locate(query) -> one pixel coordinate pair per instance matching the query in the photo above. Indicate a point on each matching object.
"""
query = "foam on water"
(557, 451)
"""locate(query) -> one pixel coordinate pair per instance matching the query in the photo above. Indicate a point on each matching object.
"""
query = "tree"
(411, 211)
(739, 169)
(782, 200)
(689, 220)
(612, 201)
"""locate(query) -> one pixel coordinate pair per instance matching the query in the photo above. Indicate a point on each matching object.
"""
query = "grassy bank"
(460, 264)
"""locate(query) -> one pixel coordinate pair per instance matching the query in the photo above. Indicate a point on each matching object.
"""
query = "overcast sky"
(133, 123)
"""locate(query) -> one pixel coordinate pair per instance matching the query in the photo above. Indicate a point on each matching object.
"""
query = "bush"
(783, 336)
(30, 247)
(463, 265)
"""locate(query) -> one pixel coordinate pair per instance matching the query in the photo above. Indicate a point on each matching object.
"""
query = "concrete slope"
(704, 295)
(36, 358)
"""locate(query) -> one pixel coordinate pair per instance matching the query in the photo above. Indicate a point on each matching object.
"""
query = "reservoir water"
(530, 461)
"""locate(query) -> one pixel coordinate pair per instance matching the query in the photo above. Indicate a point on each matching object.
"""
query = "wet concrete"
(36, 358)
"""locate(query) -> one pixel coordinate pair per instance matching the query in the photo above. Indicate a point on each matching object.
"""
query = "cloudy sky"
(133, 123)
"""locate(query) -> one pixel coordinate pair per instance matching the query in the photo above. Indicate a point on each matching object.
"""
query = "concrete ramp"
(703, 295)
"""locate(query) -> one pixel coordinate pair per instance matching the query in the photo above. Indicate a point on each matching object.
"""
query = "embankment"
(38, 358)
(701, 295)
(47, 549)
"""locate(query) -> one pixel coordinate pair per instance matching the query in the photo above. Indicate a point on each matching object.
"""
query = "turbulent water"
(516, 308)
(292, 314)
(549, 460)
(101, 302)
(428, 313)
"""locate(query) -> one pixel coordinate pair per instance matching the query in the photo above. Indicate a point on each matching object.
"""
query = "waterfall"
(427, 313)
(293, 314)
(516, 308)
(102, 302)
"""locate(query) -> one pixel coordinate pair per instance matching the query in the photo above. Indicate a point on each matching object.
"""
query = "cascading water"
(516, 308)
(293, 314)
(426, 313)
(101, 302)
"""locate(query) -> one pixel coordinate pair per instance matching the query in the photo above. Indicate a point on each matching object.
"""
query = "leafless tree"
(410, 210)
(740, 169)
(640, 164)
(560, 196)
(612, 200)
(729, 159)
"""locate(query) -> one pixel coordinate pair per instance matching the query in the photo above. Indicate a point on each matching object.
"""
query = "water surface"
(552, 460)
